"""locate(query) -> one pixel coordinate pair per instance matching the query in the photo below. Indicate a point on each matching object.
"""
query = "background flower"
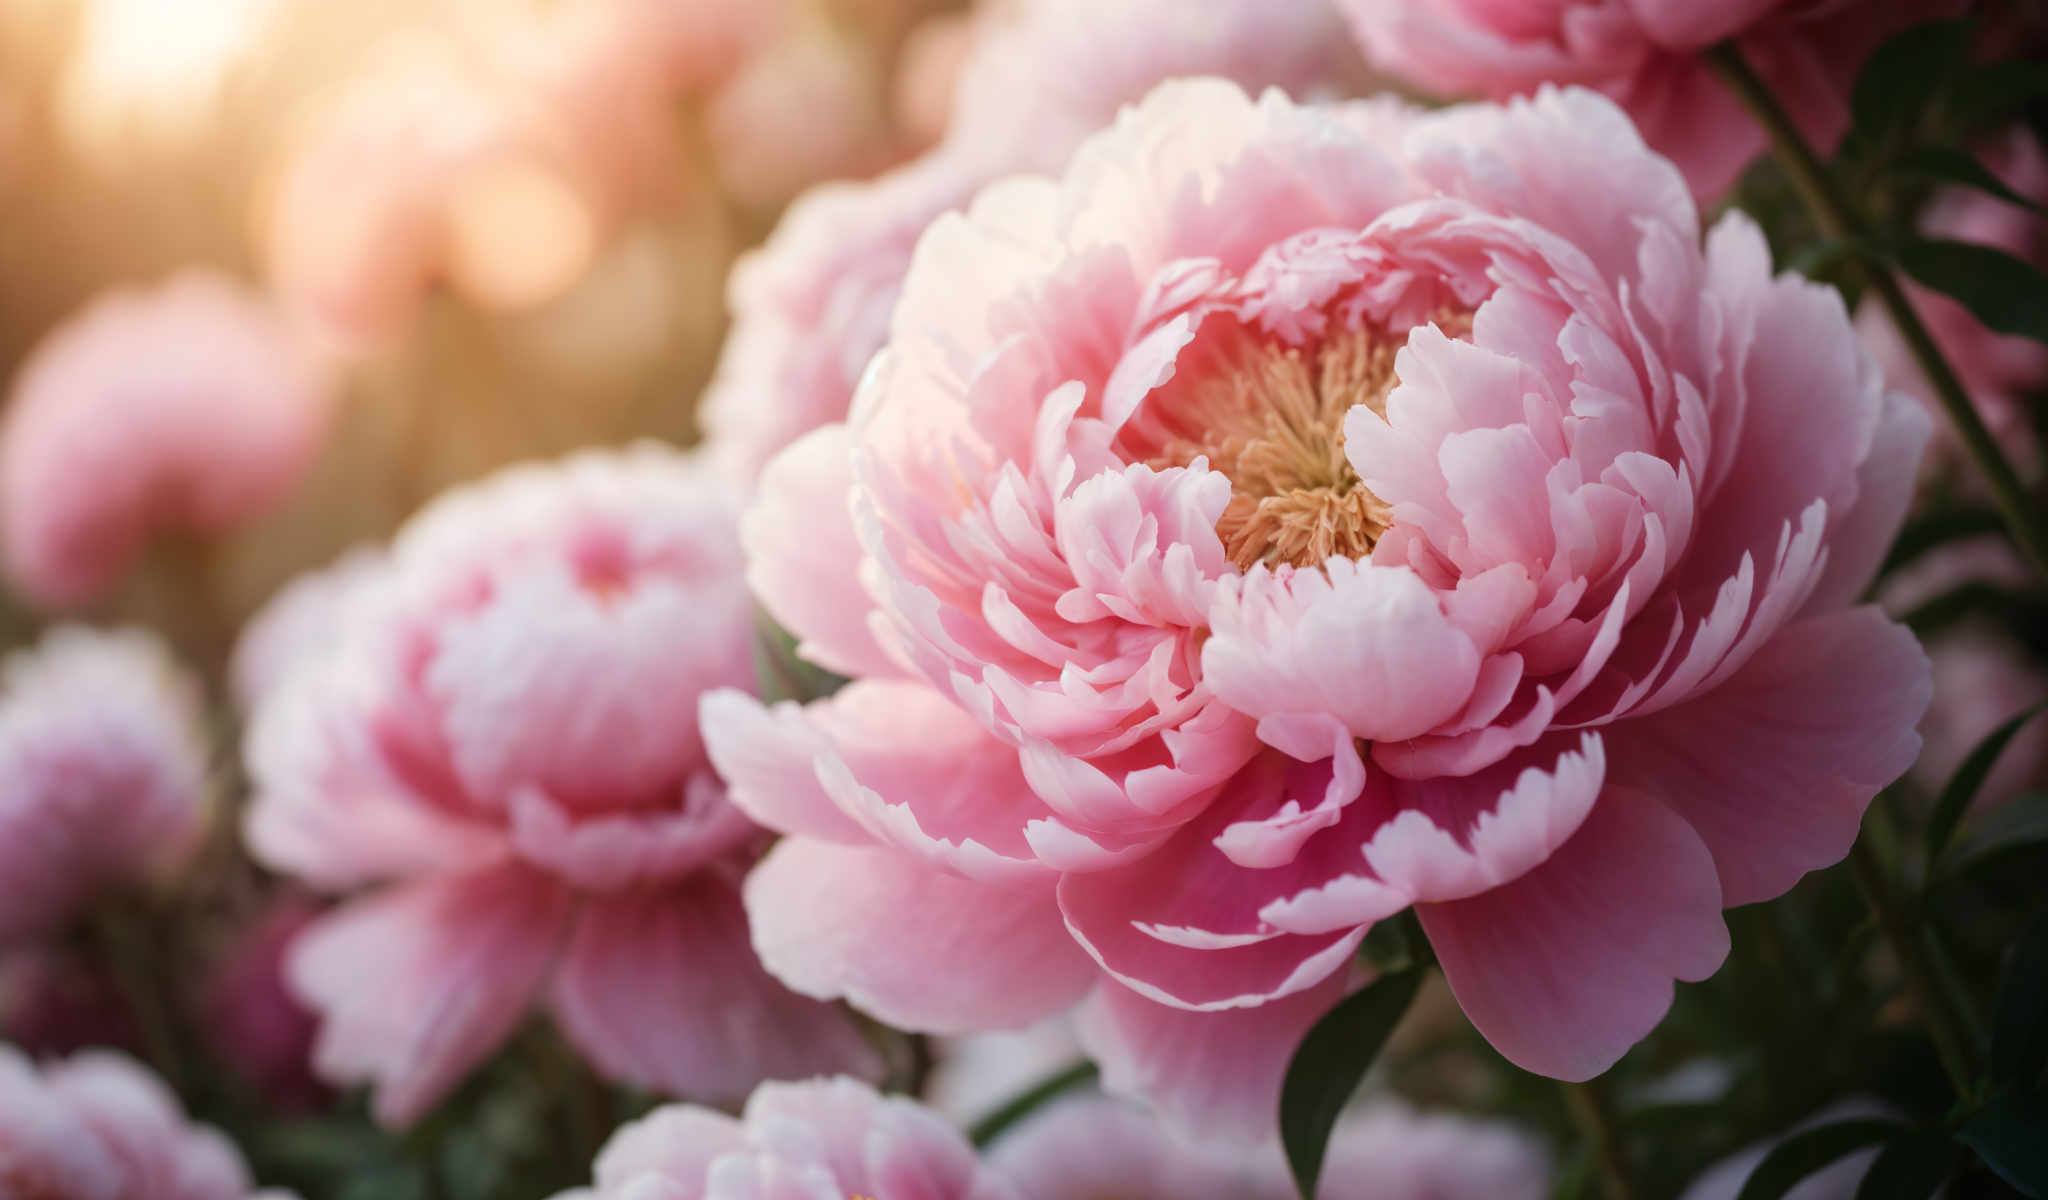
(102, 775)
(503, 734)
(191, 406)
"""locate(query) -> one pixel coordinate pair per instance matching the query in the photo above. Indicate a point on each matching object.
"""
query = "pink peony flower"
(1293, 516)
(189, 406)
(255, 1025)
(2002, 372)
(823, 1138)
(98, 1126)
(1095, 1145)
(1645, 54)
(102, 775)
(504, 739)
(812, 306)
(295, 628)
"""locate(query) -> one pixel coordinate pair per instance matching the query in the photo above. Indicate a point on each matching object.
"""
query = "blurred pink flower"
(296, 627)
(812, 306)
(255, 1025)
(1094, 1145)
(2002, 372)
(1295, 515)
(102, 775)
(505, 737)
(824, 1137)
(98, 1126)
(189, 406)
(1645, 54)
(1983, 676)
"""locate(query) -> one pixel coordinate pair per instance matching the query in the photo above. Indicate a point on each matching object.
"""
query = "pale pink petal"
(1212, 1075)
(908, 944)
(417, 984)
(1567, 967)
(661, 989)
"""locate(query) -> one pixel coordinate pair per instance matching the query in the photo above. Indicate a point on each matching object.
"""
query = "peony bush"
(1024, 600)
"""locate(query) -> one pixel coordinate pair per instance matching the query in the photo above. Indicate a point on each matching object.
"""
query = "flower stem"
(1031, 1100)
(1945, 1022)
(1838, 218)
(1588, 1105)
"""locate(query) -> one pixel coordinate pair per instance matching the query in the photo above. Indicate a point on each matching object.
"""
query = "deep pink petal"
(1774, 768)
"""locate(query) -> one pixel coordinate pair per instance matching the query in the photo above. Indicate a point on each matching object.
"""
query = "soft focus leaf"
(1911, 1168)
(1932, 530)
(781, 675)
(2011, 1135)
(1900, 79)
(2005, 293)
(1964, 785)
(1992, 92)
(2018, 824)
(1328, 1065)
(1808, 1151)
(1948, 165)
(2019, 1031)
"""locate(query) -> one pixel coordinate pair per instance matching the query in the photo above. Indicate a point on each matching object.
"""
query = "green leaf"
(1328, 1065)
(1899, 81)
(2005, 293)
(1964, 785)
(2019, 1029)
(1925, 533)
(780, 674)
(1808, 1151)
(1910, 1168)
(1991, 93)
(2011, 1135)
(1947, 165)
(2018, 824)
(1030, 1100)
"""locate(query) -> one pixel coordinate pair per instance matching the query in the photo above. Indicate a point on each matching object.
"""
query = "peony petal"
(913, 946)
(417, 984)
(662, 990)
(1567, 967)
(1774, 768)
(1212, 1075)
(803, 559)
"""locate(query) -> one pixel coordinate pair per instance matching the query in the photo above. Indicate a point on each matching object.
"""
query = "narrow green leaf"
(2011, 1135)
(1924, 533)
(1964, 785)
(2005, 293)
(1806, 1152)
(1328, 1065)
(1899, 80)
(1990, 93)
(1910, 1168)
(1030, 1100)
(2019, 1029)
(2018, 824)
(1947, 165)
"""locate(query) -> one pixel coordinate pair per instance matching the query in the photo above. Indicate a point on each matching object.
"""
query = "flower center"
(1270, 417)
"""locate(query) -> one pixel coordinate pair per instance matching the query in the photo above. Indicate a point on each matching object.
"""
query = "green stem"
(1029, 1101)
(126, 944)
(1588, 1105)
(1945, 1021)
(1838, 218)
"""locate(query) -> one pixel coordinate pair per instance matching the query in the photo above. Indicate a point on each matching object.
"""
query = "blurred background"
(489, 229)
